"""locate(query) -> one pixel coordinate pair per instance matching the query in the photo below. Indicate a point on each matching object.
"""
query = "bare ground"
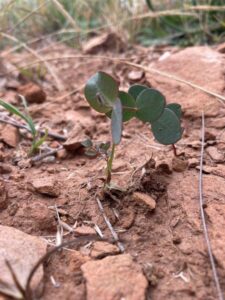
(167, 253)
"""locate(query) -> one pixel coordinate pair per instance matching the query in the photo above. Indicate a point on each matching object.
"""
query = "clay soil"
(166, 243)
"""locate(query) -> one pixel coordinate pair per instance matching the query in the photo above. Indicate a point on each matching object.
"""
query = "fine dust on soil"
(167, 242)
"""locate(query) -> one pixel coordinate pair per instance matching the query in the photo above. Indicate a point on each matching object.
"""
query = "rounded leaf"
(176, 108)
(136, 89)
(167, 129)
(150, 104)
(101, 92)
(128, 103)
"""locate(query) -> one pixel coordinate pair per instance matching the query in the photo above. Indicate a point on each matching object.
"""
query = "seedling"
(37, 141)
(146, 104)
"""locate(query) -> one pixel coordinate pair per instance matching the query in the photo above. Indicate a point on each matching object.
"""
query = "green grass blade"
(15, 111)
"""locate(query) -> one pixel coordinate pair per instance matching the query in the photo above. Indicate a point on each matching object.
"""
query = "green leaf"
(105, 146)
(167, 129)
(101, 92)
(176, 108)
(37, 143)
(116, 122)
(87, 143)
(128, 105)
(136, 89)
(13, 110)
(150, 104)
(91, 153)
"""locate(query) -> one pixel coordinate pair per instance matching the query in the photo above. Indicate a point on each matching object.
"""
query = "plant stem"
(174, 150)
(130, 108)
(109, 164)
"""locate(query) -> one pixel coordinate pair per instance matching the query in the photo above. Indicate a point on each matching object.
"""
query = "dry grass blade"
(28, 16)
(59, 84)
(15, 278)
(65, 14)
(205, 229)
(138, 66)
(206, 8)
(109, 225)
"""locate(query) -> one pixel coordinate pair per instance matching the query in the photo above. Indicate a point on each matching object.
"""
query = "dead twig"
(11, 121)
(205, 229)
(43, 155)
(114, 234)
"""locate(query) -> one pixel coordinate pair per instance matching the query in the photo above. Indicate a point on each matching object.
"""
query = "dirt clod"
(102, 249)
(33, 93)
(22, 251)
(10, 136)
(84, 230)
(5, 168)
(144, 199)
(179, 164)
(3, 196)
(46, 185)
(215, 155)
(75, 138)
(114, 278)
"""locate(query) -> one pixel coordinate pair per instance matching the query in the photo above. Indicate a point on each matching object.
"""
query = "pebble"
(144, 199)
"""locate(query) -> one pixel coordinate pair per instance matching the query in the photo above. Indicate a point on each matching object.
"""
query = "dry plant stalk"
(205, 228)
(138, 66)
(59, 84)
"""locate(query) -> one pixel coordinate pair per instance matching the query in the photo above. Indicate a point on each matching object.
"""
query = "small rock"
(114, 277)
(45, 185)
(12, 84)
(206, 169)
(102, 249)
(84, 230)
(119, 165)
(104, 42)
(5, 168)
(3, 196)
(75, 138)
(32, 93)
(10, 136)
(217, 123)
(135, 75)
(210, 135)
(179, 164)
(193, 162)
(215, 155)
(61, 154)
(144, 199)
(22, 251)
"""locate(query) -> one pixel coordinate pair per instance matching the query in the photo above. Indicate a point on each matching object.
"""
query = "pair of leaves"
(152, 108)
(148, 105)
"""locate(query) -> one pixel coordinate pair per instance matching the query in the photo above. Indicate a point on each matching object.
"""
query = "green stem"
(109, 164)
(130, 108)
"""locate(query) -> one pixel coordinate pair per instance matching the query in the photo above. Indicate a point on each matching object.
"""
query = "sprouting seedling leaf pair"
(146, 104)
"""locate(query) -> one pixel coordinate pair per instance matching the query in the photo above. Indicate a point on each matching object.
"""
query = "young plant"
(37, 141)
(146, 104)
